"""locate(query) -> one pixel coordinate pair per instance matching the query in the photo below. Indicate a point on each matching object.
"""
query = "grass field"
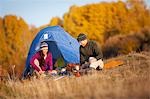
(129, 81)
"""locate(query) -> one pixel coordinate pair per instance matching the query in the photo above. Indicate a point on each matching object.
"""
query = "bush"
(120, 44)
(124, 44)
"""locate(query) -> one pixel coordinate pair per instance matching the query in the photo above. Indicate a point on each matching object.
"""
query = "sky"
(40, 12)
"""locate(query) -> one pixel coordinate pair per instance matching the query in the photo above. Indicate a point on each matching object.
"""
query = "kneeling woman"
(42, 60)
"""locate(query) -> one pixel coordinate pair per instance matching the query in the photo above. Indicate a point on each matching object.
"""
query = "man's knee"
(99, 63)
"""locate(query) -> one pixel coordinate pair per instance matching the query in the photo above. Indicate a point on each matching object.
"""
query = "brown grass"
(129, 81)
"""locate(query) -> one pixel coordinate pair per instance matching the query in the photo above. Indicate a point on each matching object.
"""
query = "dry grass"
(132, 81)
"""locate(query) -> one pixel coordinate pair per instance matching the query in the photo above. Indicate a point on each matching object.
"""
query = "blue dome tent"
(61, 44)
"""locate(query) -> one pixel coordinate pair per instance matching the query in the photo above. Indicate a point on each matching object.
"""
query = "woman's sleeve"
(50, 61)
(35, 63)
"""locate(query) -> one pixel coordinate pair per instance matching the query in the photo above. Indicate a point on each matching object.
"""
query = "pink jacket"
(48, 62)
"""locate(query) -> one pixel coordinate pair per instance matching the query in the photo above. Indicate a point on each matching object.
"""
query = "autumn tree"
(3, 46)
(106, 19)
(55, 21)
(15, 37)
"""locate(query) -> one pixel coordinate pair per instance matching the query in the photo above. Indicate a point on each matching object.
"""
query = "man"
(90, 53)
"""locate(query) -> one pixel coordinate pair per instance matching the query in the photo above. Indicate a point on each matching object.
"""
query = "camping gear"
(59, 78)
(113, 63)
(74, 69)
(60, 44)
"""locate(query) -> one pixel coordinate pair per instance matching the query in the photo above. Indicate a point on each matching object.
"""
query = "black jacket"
(90, 50)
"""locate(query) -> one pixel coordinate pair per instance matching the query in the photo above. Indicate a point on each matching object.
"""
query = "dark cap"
(81, 37)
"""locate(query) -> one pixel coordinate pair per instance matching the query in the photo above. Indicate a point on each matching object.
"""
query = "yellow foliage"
(15, 41)
(103, 20)
(56, 21)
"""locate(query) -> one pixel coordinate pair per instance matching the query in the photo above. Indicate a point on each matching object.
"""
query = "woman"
(42, 60)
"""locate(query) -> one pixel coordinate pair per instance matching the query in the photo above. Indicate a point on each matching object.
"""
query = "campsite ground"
(129, 81)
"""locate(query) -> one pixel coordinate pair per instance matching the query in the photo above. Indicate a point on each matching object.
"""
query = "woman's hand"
(41, 72)
(52, 71)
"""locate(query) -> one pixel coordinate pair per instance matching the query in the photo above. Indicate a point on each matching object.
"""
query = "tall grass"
(128, 81)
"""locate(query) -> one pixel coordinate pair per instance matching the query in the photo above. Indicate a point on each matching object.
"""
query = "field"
(129, 81)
